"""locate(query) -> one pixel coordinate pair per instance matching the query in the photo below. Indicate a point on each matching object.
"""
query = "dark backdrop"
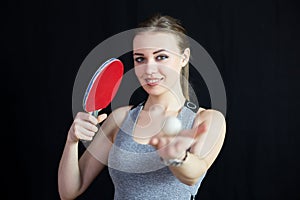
(254, 44)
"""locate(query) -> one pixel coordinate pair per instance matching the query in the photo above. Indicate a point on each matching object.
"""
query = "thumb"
(101, 117)
(196, 131)
(201, 128)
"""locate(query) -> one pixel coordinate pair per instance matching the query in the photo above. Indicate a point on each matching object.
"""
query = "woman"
(144, 162)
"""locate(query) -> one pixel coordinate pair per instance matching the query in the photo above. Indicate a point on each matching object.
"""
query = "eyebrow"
(155, 52)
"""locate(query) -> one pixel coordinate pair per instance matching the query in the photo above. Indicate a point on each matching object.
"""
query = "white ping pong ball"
(172, 126)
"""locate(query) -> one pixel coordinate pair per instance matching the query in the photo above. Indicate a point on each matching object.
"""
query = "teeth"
(152, 80)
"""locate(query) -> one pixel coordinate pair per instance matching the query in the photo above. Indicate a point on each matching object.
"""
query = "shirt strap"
(192, 106)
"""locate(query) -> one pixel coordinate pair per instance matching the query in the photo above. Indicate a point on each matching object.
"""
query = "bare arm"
(200, 158)
(74, 174)
(70, 179)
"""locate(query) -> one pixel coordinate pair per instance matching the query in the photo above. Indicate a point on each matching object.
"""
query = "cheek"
(172, 68)
(138, 71)
(170, 72)
(177, 66)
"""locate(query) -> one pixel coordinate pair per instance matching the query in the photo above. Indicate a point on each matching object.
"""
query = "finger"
(180, 147)
(87, 125)
(183, 143)
(154, 141)
(85, 132)
(90, 127)
(102, 117)
(196, 131)
(159, 142)
(87, 117)
(86, 138)
(92, 119)
(201, 128)
(173, 148)
(81, 133)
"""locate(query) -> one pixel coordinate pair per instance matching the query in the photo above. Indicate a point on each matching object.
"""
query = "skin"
(158, 62)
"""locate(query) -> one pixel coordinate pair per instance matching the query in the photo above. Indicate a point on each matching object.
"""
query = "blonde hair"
(159, 23)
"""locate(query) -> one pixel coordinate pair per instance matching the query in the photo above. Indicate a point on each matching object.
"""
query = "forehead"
(155, 40)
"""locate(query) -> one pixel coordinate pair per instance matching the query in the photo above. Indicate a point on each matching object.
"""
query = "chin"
(154, 91)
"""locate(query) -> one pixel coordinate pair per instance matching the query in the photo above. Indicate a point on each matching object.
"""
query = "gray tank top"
(136, 169)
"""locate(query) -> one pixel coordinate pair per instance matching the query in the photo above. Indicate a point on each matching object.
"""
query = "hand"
(84, 127)
(174, 147)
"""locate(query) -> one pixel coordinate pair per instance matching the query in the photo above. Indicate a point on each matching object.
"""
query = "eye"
(162, 57)
(139, 59)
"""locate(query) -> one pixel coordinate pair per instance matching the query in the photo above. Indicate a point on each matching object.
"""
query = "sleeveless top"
(136, 169)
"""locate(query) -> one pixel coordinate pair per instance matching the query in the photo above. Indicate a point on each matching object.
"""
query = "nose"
(151, 67)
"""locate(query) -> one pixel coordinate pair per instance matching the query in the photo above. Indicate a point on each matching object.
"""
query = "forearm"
(196, 165)
(191, 169)
(69, 178)
(74, 174)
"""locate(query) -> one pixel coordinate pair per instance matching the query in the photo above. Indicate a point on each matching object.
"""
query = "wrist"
(177, 162)
(71, 139)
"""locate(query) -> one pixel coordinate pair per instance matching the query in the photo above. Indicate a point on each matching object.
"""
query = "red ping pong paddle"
(103, 86)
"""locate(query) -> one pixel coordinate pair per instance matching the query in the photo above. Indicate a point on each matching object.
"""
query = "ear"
(185, 57)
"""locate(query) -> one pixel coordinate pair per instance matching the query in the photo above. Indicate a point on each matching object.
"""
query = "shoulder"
(111, 125)
(209, 115)
(204, 113)
(118, 115)
(213, 136)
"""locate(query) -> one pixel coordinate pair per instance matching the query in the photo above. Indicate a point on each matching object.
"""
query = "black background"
(255, 45)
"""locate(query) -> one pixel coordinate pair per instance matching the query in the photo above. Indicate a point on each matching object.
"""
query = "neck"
(169, 101)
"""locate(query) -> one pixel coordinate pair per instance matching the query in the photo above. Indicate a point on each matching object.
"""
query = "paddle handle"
(95, 114)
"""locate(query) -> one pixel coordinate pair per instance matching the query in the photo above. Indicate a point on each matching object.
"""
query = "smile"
(153, 81)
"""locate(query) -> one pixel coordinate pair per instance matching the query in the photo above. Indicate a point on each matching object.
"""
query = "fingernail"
(154, 141)
(102, 117)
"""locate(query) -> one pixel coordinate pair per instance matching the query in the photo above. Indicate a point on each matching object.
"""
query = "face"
(158, 62)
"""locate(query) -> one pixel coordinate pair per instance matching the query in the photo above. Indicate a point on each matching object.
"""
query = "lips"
(153, 81)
